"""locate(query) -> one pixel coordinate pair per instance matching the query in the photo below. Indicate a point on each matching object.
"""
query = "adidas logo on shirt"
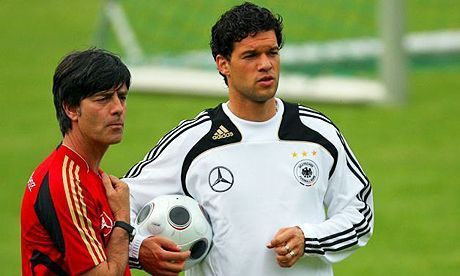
(222, 133)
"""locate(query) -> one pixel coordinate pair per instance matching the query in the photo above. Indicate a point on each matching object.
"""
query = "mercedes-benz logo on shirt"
(220, 179)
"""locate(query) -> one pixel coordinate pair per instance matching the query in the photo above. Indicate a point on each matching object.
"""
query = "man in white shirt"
(278, 180)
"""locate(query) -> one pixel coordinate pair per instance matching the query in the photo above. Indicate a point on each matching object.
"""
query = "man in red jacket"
(75, 218)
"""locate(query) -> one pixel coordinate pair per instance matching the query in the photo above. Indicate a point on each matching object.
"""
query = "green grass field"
(409, 152)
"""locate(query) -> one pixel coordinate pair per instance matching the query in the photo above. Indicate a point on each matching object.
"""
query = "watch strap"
(127, 227)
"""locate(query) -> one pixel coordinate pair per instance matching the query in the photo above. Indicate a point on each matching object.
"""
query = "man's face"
(253, 68)
(101, 117)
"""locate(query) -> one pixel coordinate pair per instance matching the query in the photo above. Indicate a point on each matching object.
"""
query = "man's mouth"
(117, 125)
(266, 81)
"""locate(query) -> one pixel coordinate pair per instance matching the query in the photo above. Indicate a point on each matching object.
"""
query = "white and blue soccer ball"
(181, 219)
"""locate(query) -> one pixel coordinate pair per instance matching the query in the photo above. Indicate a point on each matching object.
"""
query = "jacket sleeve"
(159, 173)
(349, 211)
(155, 175)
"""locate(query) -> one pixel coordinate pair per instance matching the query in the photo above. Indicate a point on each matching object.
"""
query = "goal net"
(336, 51)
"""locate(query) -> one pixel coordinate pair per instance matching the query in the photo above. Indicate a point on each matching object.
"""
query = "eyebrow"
(110, 91)
(104, 93)
(255, 50)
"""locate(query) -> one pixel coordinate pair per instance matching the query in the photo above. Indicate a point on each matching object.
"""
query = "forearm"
(341, 234)
(349, 211)
(117, 252)
(134, 248)
(117, 248)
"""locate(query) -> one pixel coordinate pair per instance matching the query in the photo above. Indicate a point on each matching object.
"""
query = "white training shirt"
(254, 178)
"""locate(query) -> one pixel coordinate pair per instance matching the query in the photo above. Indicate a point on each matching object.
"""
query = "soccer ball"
(181, 219)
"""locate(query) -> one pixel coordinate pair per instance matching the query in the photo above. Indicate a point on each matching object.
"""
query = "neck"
(252, 110)
(89, 151)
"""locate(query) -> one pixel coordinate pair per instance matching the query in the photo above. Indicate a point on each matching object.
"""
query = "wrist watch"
(127, 227)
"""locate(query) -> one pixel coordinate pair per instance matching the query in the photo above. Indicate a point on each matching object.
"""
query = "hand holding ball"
(180, 219)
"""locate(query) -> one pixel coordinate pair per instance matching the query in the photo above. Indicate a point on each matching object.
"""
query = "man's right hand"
(117, 193)
(161, 256)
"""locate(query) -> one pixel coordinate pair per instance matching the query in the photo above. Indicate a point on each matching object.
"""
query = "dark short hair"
(238, 23)
(81, 74)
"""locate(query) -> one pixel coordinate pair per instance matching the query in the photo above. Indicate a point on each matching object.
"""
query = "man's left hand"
(288, 244)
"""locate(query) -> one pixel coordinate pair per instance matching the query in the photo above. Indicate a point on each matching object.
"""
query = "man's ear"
(223, 65)
(71, 111)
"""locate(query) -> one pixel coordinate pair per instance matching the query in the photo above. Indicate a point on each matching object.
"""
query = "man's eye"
(103, 98)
